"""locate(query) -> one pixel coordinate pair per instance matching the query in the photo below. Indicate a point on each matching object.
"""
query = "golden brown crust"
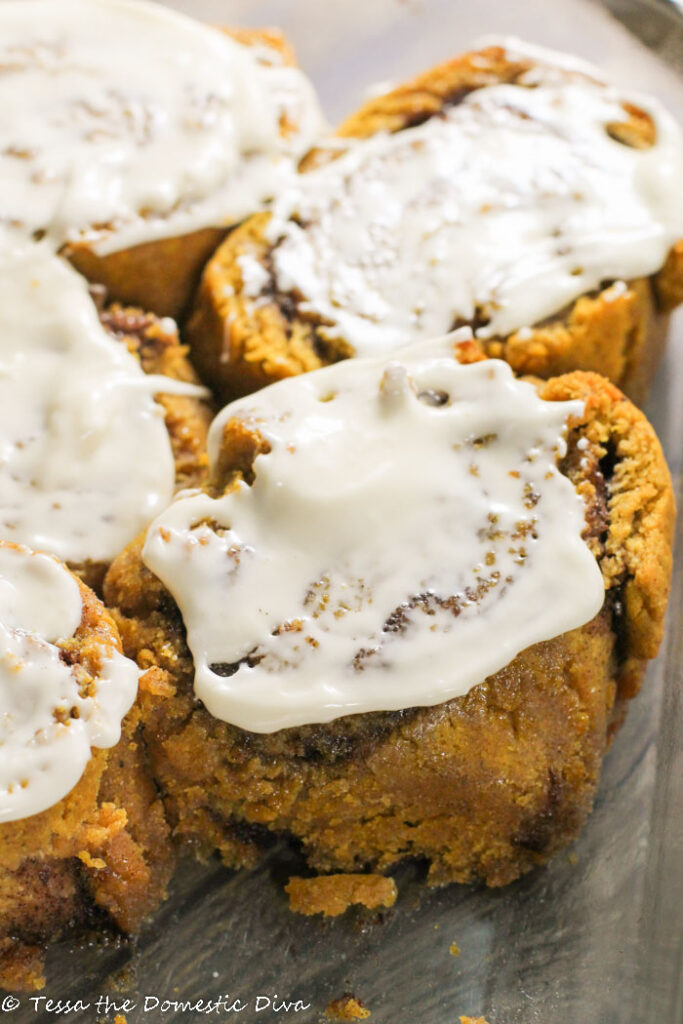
(272, 39)
(162, 275)
(487, 785)
(669, 280)
(427, 94)
(240, 346)
(331, 895)
(159, 349)
(159, 276)
(637, 552)
(619, 333)
(157, 346)
(105, 844)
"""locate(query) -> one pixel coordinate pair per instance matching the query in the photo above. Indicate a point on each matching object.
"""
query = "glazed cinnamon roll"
(133, 136)
(404, 617)
(82, 830)
(510, 189)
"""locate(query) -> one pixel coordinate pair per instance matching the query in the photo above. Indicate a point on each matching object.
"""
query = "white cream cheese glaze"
(407, 534)
(49, 719)
(500, 212)
(77, 412)
(124, 122)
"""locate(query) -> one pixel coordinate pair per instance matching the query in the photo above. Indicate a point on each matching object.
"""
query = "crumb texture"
(331, 895)
(347, 1007)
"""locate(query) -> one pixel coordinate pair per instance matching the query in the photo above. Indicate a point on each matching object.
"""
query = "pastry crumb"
(472, 1020)
(347, 1008)
(96, 863)
(21, 966)
(333, 894)
(454, 949)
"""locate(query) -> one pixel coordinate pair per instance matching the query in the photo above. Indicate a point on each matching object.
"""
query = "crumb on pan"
(347, 1008)
(333, 894)
(21, 966)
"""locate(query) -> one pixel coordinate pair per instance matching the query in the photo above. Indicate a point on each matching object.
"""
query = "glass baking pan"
(596, 937)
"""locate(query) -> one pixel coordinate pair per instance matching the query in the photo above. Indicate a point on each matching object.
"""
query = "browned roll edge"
(102, 850)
